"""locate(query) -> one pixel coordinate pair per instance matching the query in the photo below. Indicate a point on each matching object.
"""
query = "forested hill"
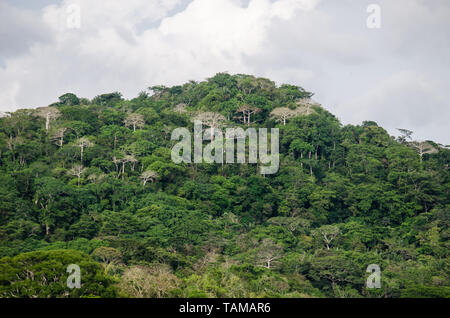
(91, 182)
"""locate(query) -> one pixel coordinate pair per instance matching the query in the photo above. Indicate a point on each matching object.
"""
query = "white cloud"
(209, 36)
(323, 46)
(19, 30)
(404, 100)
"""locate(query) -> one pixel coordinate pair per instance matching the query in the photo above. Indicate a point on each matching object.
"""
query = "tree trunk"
(47, 122)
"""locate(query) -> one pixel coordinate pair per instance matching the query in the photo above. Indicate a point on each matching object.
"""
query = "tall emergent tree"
(211, 119)
(282, 114)
(58, 136)
(246, 112)
(50, 114)
(83, 143)
(135, 121)
(148, 175)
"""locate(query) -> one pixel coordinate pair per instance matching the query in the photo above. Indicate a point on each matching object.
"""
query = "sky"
(397, 75)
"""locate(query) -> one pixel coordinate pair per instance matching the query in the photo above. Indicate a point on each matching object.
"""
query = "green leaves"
(44, 274)
(344, 198)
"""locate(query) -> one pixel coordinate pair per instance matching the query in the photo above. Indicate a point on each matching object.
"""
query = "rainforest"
(93, 183)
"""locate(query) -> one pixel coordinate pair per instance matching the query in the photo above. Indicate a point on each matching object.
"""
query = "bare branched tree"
(135, 121)
(77, 171)
(130, 159)
(148, 282)
(423, 147)
(148, 175)
(247, 111)
(58, 136)
(122, 162)
(268, 253)
(50, 114)
(305, 105)
(83, 143)
(327, 233)
(212, 120)
(282, 114)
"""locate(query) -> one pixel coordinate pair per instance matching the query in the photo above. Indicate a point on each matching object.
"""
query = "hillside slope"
(97, 177)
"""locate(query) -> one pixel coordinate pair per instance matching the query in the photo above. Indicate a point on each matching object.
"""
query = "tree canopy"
(92, 183)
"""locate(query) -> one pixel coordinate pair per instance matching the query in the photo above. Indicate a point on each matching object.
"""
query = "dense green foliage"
(44, 274)
(92, 183)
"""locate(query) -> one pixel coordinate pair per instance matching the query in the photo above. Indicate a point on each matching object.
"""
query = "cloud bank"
(397, 75)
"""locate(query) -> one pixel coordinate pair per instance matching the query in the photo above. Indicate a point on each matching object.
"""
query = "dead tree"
(50, 114)
(282, 114)
(77, 171)
(268, 253)
(83, 143)
(247, 111)
(134, 120)
(327, 234)
(305, 106)
(148, 175)
(423, 147)
(58, 136)
(212, 120)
